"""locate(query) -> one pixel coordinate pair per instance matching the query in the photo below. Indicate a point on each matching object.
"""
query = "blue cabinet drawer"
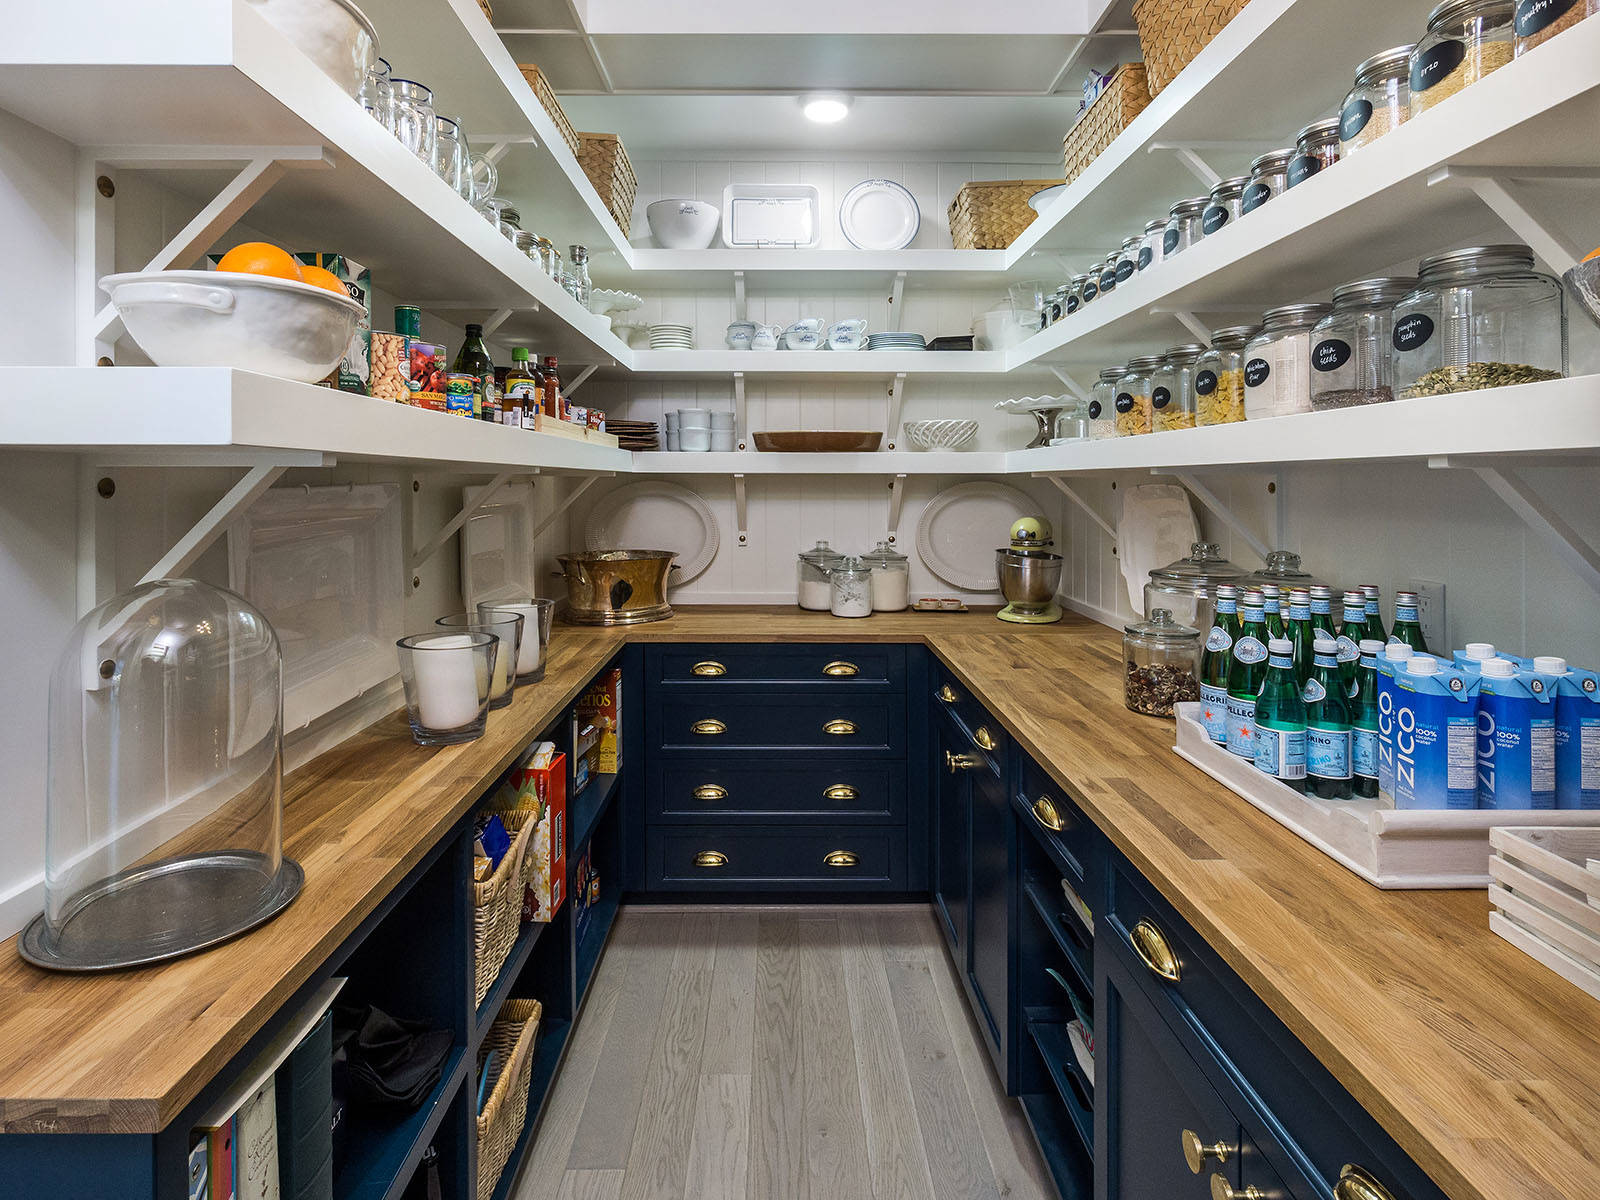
(792, 857)
(825, 668)
(851, 790)
(1055, 819)
(951, 696)
(703, 722)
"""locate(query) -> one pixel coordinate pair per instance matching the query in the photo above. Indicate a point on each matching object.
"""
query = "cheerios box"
(355, 370)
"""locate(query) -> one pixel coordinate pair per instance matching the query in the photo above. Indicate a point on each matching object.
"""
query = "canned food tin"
(460, 392)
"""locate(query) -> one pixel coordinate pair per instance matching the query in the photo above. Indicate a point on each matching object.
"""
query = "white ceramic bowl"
(683, 224)
(230, 319)
(334, 34)
(940, 435)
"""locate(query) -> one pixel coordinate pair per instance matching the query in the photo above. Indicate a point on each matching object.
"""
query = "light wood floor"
(779, 1054)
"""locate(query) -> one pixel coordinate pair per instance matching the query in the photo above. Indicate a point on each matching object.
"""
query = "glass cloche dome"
(165, 821)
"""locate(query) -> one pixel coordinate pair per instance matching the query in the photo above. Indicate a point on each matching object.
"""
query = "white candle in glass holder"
(528, 653)
(505, 661)
(449, 678)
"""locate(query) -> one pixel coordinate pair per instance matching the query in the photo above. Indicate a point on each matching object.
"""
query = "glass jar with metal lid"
(524, 241)
(1108, 273)
(1054, 307)
(1316, 148)
(1219, 376)
(1161, 664)
(1091, 282)
(1128, 259)
(1480, 317)
(1103, 403)
(1268, 175)
(850, 588)
(891, 578)
(1537, 21)
(1075, 293)
(1172, 388)
(510, 222)
(1071, 422)
(1175, 586)
(1222, 205)
(545, 253)
(1466, 40)
(1183, 226)
(1133, 395)
(1150, 251)
(813, 568)
(1352, 359)
(1379, 100)
(1277, 362)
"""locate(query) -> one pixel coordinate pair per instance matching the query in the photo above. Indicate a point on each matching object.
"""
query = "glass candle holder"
(508, 628)
(447, 677)
(537, 616)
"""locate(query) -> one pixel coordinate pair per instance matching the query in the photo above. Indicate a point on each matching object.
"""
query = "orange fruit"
(261, 258)
(323, 278)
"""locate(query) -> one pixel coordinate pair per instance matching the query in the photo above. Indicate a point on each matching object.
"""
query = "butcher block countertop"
(1481, 1064)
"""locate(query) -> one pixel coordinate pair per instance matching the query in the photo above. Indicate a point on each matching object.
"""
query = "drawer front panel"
(852, 791)
(951, 697)
(794, 857)
(699, 722)
(824, 668)
(1075, 837)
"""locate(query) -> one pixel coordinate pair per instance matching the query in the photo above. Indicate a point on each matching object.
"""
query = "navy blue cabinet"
(952, 838)
(990, 969)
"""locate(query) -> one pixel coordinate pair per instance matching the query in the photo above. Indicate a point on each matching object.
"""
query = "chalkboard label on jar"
(1412, 332)
(1160, 398)
(1301, 168)
(1169, 242)
(1256, 372)
(1435, 63)
(1073, 302)
(1125, 270)
(1095, 410)
(1091, 290)
(1534, 15)
(1124, 402)
(1108, 279)
(1354, 118)
(1146, 256)
(1216, 217)
(1205, 383)
(1330, 355)
(1254, 197)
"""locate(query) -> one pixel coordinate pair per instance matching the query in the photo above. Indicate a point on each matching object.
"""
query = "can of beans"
(460, 392)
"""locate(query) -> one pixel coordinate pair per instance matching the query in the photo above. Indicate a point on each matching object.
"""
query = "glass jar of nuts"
(1161, 664)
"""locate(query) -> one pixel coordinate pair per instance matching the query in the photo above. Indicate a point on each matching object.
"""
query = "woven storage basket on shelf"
(606, 164)
(540, 83)
(1172, 32)
(511, 1040)
(521, 821)
(497, 912)
(989, 214)
(1124, 98)
(488, 11)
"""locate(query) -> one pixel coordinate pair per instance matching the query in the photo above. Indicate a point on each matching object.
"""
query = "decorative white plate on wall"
(497, 556)
(879, 214)
(964, 525)
(657, 515)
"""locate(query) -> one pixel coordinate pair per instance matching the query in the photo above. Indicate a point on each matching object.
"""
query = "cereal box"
(600, 706)
(546, 862)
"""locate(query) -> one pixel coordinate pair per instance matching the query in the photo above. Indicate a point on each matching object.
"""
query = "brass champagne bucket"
(617, 587)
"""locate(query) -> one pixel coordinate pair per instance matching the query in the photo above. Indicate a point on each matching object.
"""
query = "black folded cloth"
(390, 1063)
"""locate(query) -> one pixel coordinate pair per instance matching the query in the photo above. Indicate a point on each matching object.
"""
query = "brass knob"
(711, 858)
(710, 727)
(984, 738)
(841, 858)
(709, 667)
(946, 693)
(1357, 1183)
(1196, 1152)
(711, 791)
(961, 762)
(1152, 947)
(1221, 1189)
(840, 728)
(840, 791)
(840, 668)
(1045, 813)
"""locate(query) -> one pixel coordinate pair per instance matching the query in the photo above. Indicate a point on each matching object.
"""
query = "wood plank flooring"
(807, 1053)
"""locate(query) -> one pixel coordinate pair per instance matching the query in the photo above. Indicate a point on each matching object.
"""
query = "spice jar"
(1537, 21)
(814, 567)
(544, 253)
(1133, 395)
(1466, 40)
(1150, 251)
(1352, 360)
(1267, 179)
(891, 578)
(1183, 226)
(1162, 664)
(1277, 362)
(1316, 147)
(1103, 403)
(1091, 282)
(1172, 388)
(1128, 259)
(850, 588)
(1075, 293)
(1222, 205)
(1187, 587)
(1108, 273)
(1480, 317)
(1219, 376)
(1380, 99)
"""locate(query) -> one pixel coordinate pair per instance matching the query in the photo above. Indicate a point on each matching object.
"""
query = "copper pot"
(617, 587)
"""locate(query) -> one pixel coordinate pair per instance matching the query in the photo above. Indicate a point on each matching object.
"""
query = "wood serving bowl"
(819, 441)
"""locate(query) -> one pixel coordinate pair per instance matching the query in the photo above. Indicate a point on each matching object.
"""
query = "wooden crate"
(1124, 98)
(605, 162)
(990, 214)
(1546, 896)
(1172, 32)
(540, 83)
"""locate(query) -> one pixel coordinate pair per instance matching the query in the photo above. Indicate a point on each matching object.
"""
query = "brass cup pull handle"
(710, 727)
(984, 738)
(1221, 1189)
(709, 667)
(840, 669)
(946, 693)
(1357, 1183)
(840, 791)
(1196, 1153)
(711, 858)
(1152, 947)
(1046, 814)
(839, 728)
(710, 791)
(841, 858)
(961, 762)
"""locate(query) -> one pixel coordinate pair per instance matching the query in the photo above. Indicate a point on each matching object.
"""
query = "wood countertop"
(1481, 1064)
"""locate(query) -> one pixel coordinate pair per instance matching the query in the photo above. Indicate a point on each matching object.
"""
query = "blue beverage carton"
(1432, 716)
(1393, 654)
(1516, 743)
(1477, 653)
(1577, 739)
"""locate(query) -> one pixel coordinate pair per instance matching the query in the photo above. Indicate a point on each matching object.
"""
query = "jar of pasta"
(1466, 40)
(1172, 388)
(1133, 395)
(1380, 99)
(1219, 376)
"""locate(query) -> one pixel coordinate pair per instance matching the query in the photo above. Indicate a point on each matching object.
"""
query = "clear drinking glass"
(414, 123)
(507, 626)
(484, 175)
(377, 95)
(447, 677)
(536, 619)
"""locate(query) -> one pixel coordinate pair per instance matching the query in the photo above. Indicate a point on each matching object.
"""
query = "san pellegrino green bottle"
(1272, 607)
(1352, 631)
(1245, 673)
(1299, 631)
(1322, 613)
(1281, 719)
(1372, 595)
(1215, 663)
(1327, 725)
(1407, 628)
(1364, 721)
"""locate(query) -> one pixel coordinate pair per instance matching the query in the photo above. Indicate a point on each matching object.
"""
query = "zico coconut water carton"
(1429, 718)
(1393, 655)
(1577, 735)
(1516, 737)
(1477, 653)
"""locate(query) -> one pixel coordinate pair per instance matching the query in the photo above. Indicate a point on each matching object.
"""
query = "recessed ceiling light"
(826, 108)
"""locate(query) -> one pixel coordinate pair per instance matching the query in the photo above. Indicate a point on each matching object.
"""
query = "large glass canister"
(1378, 101)
(1133, 395)
(1466, 40)
(1161, 664)
(891, 578)
(164, 829)
(1282, 569)
(1103, 403)
(1352, 360)
(850, 589)
(1480, 317)
(1172, 388)
(1277, 362)
(813, 568)
(1219, 376)
(1537, 21)
(1186, 588)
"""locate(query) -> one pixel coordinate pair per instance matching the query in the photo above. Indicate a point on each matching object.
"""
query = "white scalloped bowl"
(940, 435)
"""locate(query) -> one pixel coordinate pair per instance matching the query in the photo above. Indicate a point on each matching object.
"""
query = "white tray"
(1388, 847)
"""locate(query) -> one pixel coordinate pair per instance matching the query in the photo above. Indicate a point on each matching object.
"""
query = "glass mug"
(414, 124)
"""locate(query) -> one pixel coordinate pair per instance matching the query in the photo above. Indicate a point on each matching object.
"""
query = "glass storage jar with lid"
(1172, 388)
(1379, 100)
(1161, 661)
(891, 578)
(1072, 421)
(1187, 587)
(1267, 179)
(1222, 205)
(1091, 282)
(1277, 362)
(1133, 395)
(1128, 259)
(1103, 403)
(1316, 147)
(1108, 273)
(164, 818)
(1352, 360)
(1466, 40)
(1075, 293)
(850, 588)
(1219, 376)
(1150, 251)
(1480, 317)
(1283, 571)
(1537, 21)
(813, 568)
(1183, 226)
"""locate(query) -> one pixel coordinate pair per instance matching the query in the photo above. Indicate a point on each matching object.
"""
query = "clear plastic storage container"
(1277, 362)
(1102, 421)
(1161, 664)
(1222, 206)
(1352, 359)
(1219, 376)
(1172, 388)
(1379, 100)
(1183, 226)
(813, 568)
(1133, 395)
(1466, 40)
(1316, 148)
(1268, 178)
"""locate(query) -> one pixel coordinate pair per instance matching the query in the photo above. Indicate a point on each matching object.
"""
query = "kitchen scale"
(1029, 574)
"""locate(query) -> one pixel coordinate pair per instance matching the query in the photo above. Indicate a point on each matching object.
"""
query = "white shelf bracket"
(215, 523)
(500, 144)
(741, 411)
(1071, 384)
(571, 389)
(1088, 509)
(1213, 502)
(741, 307)
(1570, 546)
(741, 509)
(496, 319)
(895, 301)
(1190, 322)
(1497, 188)
(897, 395)
(897, 499)
(1188, 153)
(421, 554)
(583, 486)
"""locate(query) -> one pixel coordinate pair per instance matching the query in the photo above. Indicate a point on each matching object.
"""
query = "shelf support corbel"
(740, 411)
(1188, 153)
(897, 393)
(741, 306)
(496, 319)
(1071, 384)
(571, 389)
(741, 509)
(1189, 321)
(1499, 190)
(583, 486)
(1214, 502)
(897, 499)
(421, 554)
(896, 297)
(1066, 490)
(215, 523)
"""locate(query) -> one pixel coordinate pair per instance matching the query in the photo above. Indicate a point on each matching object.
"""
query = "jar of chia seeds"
(1352, 361)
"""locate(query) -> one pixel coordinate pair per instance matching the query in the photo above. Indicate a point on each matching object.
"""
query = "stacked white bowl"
(694, 429)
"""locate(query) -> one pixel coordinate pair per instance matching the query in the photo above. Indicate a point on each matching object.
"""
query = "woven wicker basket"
(1172, 32)
(497, 912)
(540, 84)
(488, 10)
(522, 819)
(606, 164)
(1124, 98)
(511, 1040)
(989, 214)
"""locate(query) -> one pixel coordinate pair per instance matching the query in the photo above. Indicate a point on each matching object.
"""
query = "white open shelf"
(887, 462)
(780, 363)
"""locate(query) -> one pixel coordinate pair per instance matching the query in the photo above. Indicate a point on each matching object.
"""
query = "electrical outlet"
(1430, 613)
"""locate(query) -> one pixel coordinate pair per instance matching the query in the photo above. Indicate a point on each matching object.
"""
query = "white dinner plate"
(657, 515)
(964, 525)
(879, 214)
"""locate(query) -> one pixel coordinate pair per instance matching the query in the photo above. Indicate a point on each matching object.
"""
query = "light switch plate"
(1430, 614)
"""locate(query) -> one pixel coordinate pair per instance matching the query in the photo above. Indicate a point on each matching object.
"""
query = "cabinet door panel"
(952, 833)
(991, 874)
